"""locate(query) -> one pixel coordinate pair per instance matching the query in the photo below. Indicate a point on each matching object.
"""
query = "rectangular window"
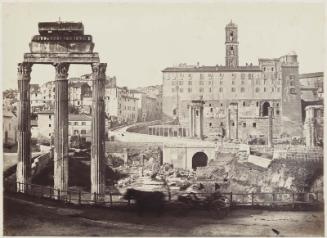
(181, 90)
(201, 90)
(254, 124)
(242, 90)
(49, 125)
(233, 89)
(75, 123)
(201, 82)
(83, 131)
(83, 123)
(244, 124)
(189, 90)
(210, 90)
(49, 116)
(189, 82)
(220, 89)
(233, 82)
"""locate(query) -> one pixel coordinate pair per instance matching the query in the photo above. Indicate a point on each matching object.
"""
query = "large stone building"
(236, 98)
(9, 128)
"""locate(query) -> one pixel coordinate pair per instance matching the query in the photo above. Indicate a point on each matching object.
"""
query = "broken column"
(309, 127)
(270, 127)
(98, 129)
(61, 131)
(23, 170)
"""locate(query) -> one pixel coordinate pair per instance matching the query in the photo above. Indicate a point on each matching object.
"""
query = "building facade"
(237, 97)
(120, 104)
(312, 86)
(9, 128)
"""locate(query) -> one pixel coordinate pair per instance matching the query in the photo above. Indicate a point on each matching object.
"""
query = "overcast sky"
(139, 40)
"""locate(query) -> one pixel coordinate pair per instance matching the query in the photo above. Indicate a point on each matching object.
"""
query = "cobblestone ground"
(26, 217)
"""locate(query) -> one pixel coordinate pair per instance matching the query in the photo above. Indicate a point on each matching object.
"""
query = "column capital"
(61, 70)
(24, 71)
(99, 70)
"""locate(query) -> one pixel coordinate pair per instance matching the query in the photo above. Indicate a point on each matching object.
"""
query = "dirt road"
(26, 217)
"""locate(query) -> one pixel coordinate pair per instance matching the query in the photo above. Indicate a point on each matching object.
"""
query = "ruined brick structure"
(237, 98)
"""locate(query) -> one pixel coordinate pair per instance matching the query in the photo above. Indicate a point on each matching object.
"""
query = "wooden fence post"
(79, 197)
(110, 196)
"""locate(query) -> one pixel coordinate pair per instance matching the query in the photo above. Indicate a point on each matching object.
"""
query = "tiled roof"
(213, 69)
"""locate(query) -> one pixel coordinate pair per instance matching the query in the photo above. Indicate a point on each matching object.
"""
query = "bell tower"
(231, 44)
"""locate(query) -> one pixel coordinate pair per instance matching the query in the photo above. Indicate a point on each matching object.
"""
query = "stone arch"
(199, 159)
(265, 107)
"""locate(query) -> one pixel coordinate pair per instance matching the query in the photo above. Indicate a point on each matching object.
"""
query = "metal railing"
(80, 197)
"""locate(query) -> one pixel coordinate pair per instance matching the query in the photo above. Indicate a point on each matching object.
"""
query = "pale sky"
(138, 40)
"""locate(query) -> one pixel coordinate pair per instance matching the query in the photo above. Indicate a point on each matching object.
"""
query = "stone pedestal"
(61, 131)
(98, 130)
(23, 171)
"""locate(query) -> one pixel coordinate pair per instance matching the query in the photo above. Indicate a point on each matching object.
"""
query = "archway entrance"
(199, 159)
(265, 107)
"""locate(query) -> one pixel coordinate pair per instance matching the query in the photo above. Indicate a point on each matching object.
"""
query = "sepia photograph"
(159, 119)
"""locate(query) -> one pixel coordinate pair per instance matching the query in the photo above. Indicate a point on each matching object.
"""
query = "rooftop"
(217, 68)
(311, 75)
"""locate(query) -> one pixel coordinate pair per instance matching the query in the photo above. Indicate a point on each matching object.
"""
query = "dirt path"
(23, 217)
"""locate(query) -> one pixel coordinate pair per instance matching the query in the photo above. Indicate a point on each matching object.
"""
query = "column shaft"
(236, 123)
(23, 170)
(61, 129)
(270, 129)
(98, 129)
(228, 125)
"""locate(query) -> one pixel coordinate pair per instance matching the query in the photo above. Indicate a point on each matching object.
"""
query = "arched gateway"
(199, 159)
(61, 44)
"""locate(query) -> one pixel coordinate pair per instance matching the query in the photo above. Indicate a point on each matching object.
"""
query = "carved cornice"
(62, 70)
(99, 70)
(24, 71)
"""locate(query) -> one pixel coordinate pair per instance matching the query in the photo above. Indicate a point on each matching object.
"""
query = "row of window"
(254, 124)
(242, 90)
(257, 82)
(83, 123)
(209, 75)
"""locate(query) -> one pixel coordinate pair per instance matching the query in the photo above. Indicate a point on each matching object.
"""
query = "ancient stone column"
(60, 175)
(228, 125)
(309, 127)
(98, 129)
(236, 122)
(270, 127)
(190, 121)
(23, 170)
(201, 122)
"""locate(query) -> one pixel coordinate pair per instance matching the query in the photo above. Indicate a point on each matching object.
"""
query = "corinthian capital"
(99, 70)
(62, 70)
(24, 71)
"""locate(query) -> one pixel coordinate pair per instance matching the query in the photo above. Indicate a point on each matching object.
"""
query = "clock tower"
(231, 44)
